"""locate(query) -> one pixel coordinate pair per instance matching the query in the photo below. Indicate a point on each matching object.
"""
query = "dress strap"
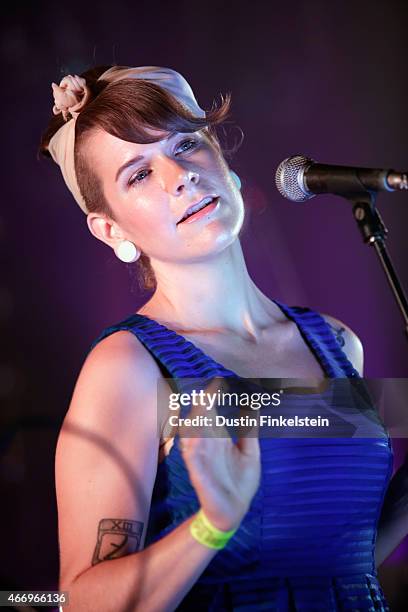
(321, 341)
(178, 357)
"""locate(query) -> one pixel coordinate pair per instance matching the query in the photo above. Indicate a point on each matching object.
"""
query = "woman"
(206, 524)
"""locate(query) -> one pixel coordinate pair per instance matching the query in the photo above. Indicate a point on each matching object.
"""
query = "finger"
(241, 421)
(249, 446)
(248, 439)
(216, 389)
(205, 408)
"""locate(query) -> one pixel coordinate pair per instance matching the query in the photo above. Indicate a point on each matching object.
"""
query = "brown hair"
(124, 110)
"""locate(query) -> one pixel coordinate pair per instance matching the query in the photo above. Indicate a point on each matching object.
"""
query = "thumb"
(249, 443)
(249, 447)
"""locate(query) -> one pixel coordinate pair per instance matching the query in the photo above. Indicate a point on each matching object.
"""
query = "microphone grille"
(289, 178)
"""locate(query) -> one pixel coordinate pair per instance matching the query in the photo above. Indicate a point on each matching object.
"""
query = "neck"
(216, 295)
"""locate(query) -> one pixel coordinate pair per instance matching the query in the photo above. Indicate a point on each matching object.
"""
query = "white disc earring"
(236, 179)
(127, 252)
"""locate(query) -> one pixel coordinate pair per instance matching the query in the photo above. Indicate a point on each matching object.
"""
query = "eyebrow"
(130, 162)
(134, 160)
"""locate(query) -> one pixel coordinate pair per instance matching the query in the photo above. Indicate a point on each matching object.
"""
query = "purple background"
(327, 80)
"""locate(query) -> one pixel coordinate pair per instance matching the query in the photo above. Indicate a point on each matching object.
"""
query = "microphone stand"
(374, 232)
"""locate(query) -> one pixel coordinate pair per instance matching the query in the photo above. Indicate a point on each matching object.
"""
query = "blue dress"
(307, 541)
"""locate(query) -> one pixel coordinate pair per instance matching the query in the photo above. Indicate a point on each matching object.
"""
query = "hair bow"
(70, 96)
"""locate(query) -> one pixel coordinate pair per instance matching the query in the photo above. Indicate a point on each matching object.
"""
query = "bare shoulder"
(348, 340)
(118, 371)
(123, 345)
(106, 455)
(124, 352)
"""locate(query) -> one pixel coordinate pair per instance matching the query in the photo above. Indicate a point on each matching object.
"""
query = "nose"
(187, 178)
(178, 178)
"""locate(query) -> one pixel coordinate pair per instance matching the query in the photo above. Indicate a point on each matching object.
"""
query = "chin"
(211, 248)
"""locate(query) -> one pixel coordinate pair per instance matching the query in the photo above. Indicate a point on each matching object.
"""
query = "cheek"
(216, 165)
(149, 217)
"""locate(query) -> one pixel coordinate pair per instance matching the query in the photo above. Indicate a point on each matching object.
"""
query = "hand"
(224, 475)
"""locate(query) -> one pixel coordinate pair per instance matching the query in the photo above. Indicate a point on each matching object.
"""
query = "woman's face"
(151, 186)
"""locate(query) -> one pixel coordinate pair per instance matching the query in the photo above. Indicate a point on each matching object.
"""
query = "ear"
(236, 179)
(104, 229)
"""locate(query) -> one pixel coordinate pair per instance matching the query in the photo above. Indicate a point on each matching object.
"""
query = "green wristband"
(204, 532)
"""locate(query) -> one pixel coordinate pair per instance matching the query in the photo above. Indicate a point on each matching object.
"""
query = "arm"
(106, 462)
(393, 523)
(349, 342)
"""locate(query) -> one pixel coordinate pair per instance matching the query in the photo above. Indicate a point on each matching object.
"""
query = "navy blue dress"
(307, 541)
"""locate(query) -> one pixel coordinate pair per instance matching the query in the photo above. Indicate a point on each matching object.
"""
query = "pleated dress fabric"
(307, 541)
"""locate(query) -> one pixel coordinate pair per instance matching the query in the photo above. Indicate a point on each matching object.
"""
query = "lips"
(193, 208)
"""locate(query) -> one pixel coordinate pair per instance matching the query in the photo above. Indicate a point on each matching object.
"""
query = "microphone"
(299, 178)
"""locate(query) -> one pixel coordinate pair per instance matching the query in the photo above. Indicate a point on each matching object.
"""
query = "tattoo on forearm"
(117, 538)
(338, 332)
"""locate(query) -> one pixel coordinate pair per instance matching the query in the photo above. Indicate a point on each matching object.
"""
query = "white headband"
(72, 94)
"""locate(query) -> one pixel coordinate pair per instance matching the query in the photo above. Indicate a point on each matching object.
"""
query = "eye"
(186, 145)
(138, 177)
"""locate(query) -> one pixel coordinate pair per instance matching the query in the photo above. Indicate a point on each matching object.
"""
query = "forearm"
(393, 523)
(155, 579)
(390, 535)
